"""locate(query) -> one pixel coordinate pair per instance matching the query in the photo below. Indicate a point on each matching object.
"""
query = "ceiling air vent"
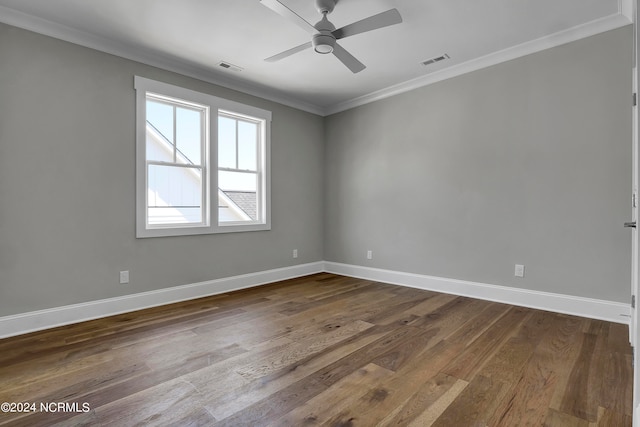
(229, 66)
(435, 59)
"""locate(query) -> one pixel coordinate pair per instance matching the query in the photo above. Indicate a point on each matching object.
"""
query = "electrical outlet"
(124, 277)
(519, 270)
(295, 253)
(369, 254)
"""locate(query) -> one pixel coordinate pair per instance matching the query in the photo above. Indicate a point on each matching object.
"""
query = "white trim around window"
(207, 202)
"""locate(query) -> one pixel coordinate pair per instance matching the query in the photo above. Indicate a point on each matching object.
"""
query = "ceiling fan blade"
(381, 20)
(289, 14)
(289, 52)
(347, 59)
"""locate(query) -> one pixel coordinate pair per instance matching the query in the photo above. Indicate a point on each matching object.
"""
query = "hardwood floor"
(323, 350)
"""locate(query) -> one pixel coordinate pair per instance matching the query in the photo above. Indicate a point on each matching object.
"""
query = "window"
(176, 148)
(180, 135)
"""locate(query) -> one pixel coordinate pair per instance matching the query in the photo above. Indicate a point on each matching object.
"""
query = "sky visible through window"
(185, 129)
(237, 139)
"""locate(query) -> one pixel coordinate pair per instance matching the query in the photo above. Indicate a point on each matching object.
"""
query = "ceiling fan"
(324, 33)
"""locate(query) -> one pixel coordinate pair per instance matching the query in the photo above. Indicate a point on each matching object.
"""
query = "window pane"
(238, 198)
(158, 148)
(160, 116)
(247, 145)
(226, 213)
(237, 181)
(188, 135)
(159, 131)
(226, 142)
(237, 206)
(174, 195)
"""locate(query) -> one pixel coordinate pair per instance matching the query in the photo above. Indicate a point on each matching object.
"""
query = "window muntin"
(182, 135)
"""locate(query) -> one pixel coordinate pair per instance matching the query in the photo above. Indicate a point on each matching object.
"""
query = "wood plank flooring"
(323, 350)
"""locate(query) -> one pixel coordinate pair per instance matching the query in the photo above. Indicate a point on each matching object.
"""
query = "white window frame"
(210, 224)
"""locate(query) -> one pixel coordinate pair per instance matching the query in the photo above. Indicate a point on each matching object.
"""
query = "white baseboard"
(44, 319)
(578, 306)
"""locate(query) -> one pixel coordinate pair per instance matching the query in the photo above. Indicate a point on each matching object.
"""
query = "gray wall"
(67, 181)
(524, 162)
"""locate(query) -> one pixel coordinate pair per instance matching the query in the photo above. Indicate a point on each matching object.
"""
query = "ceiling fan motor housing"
(324, 41)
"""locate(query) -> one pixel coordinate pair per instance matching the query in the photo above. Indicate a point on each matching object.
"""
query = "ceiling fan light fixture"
(323, 43)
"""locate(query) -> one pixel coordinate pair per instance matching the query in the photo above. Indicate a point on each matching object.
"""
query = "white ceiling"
(193, 36)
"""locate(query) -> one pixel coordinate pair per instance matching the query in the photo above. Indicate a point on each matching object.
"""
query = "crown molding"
(62, 32)
(22, 20)
(572, 34)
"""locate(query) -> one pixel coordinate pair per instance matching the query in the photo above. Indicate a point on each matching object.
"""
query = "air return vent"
(435, 59)
(228, 66)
